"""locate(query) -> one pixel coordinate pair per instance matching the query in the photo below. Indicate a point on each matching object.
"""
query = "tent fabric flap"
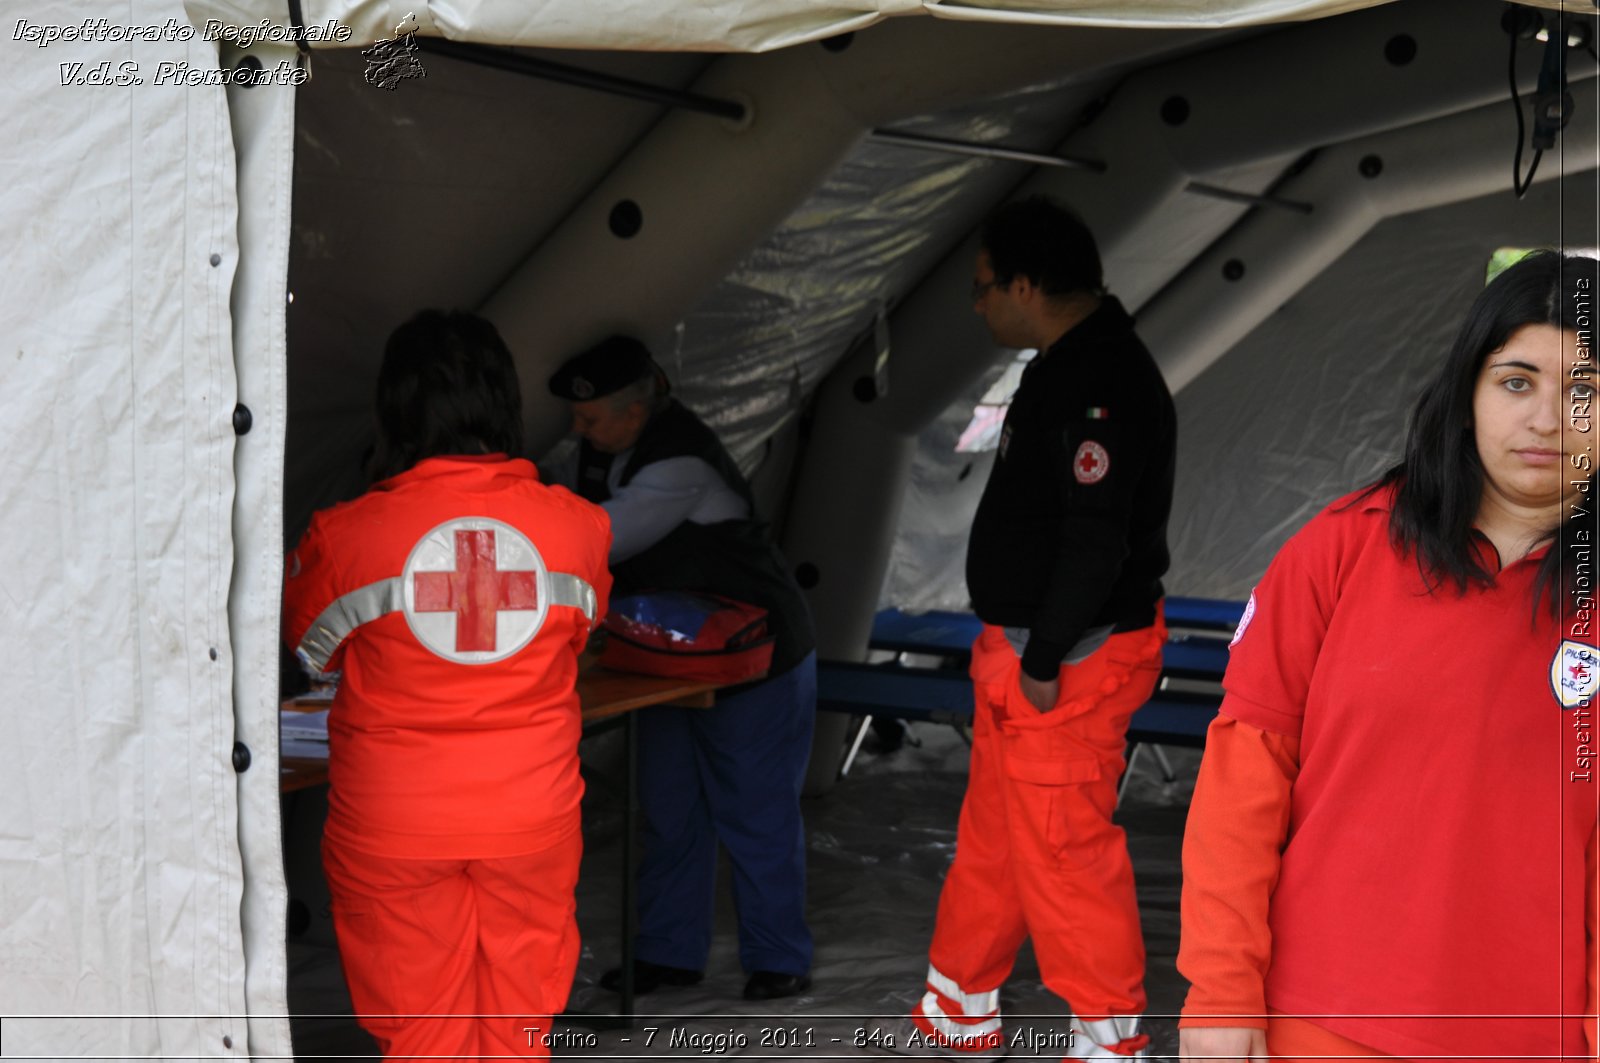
(263, 119)
(120, 876)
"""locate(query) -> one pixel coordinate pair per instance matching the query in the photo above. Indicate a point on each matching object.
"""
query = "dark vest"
(733, 558)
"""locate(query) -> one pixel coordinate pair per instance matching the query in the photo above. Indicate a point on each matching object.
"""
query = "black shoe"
(770, 985)
(648, 976)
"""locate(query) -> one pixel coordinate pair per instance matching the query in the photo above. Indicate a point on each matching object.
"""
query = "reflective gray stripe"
(387, 596)
(1090, 641)
(345, 615)
(567, 589)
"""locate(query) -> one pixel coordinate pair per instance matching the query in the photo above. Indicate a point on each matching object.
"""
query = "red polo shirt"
(451, 751)
(1434, 872)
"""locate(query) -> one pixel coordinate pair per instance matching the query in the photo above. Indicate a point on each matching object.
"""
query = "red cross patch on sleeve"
(1091, 463)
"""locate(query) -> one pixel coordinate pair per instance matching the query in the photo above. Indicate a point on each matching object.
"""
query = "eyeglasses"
(981, 288)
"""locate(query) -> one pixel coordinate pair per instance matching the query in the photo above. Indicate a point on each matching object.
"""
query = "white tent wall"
(1210, 308)
(120, 872)
(263, 126)
(1314, 402)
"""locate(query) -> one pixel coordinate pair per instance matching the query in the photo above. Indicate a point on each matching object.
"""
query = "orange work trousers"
(457, 958)
(1036, 852)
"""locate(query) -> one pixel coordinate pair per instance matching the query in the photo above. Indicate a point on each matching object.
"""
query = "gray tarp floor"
(880, 842)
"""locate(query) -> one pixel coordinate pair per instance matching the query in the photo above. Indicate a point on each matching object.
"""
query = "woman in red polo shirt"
(454, 598)
(1391, 847)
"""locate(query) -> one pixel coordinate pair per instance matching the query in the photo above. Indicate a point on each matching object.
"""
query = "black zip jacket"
(733, 558)
(1071, 532)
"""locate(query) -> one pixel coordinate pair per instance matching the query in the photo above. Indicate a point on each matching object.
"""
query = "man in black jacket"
(1064, 567)
(682, 518)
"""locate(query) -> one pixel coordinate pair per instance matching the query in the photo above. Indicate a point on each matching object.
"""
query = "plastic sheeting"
(120, 875)
(816, 285)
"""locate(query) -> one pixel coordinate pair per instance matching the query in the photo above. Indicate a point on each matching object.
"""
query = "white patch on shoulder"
(1575, 674)
(1244, 621)
(1091, 463)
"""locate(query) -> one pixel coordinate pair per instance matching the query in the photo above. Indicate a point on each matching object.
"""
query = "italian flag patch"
(1097, 413)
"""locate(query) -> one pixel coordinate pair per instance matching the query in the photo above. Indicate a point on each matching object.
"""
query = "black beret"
(606, 368)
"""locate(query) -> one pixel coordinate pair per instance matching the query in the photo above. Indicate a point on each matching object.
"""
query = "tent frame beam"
(562, 73)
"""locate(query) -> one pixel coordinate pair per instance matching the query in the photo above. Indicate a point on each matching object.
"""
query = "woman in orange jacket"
(1391, 848)
(453, 598)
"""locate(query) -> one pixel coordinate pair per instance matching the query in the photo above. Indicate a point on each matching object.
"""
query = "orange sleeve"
(1232, 846)
(598, 575)
(1589, 919)
(311, 583)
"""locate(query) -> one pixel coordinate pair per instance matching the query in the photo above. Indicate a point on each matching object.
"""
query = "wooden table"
(602, 695)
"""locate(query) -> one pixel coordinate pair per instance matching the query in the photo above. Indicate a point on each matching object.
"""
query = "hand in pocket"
(1041, 695)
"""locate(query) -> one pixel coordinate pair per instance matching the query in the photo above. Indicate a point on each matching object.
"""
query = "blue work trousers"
(731, 773)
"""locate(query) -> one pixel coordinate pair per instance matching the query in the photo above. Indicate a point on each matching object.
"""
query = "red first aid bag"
(687, 635)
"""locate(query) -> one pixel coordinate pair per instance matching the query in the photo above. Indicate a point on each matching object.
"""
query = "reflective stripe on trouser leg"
(1109, 1038)
(956, 1018)
(980, 926)
(1072, 874)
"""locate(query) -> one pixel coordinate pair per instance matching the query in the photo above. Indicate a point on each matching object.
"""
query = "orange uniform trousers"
(457, 958)
(1036, 852)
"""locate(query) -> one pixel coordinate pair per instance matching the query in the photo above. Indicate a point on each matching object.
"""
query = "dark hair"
(1042, 240)
(447, 386)
(1439, 483)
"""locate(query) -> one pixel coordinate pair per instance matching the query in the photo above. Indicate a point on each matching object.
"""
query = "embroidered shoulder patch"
(1244, 621)
(1091, 463)
(1574, 674)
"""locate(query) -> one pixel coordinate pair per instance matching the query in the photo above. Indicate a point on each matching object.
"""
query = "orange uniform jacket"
(453, 599)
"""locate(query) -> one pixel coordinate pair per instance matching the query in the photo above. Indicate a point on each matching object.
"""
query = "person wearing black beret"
(683, 518)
